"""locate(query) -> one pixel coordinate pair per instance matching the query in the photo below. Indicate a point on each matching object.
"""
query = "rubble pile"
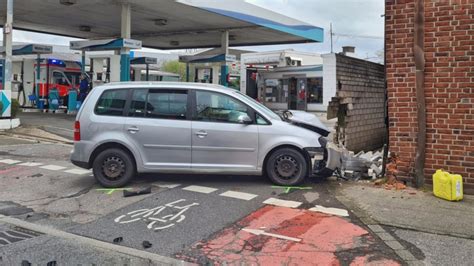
(391, 174)
(363, 165)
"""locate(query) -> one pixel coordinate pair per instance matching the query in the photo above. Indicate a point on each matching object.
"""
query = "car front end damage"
(325, 159)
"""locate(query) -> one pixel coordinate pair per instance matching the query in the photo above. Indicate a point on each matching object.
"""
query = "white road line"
(8, 161)
(30, 164)
(200, 189)
(78, 171)
(261, 232)
(238, 195)
(283, 203)
(332, 211)
(166, 185)
(53, 167)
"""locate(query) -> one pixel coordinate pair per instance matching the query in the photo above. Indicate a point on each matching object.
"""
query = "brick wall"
(449, 90)
(359, 104)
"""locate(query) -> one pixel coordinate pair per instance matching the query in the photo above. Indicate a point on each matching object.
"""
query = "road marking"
(332, 211)
(238, 195)
(166, 185)
(85, 241)
(53, 167)
(153, 216)
(283, 203)
(78, 171)
(8, 161)
(109, 191)
(261, 232)
(289, 188)
(200, 189)
(30, 164)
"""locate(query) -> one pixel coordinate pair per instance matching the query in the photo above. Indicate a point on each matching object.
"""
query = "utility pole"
(330, 32)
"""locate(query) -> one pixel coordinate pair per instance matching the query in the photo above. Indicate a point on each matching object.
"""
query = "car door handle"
(201, 133)
(133, 130)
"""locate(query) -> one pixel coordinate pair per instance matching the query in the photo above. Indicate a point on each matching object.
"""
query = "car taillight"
(77, 131)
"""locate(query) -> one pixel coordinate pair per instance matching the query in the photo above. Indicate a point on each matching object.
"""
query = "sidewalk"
(409, 209)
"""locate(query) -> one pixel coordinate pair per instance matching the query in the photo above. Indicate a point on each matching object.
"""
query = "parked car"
(127, 128)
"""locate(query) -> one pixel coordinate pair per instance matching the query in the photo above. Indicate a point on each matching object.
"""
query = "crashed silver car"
(127, 128)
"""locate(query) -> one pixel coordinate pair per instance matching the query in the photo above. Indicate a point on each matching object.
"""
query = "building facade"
(448, 50)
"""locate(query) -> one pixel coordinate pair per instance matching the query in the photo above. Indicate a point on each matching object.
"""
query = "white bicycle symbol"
(151, 215)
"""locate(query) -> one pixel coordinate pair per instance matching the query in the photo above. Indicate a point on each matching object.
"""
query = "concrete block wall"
(448, 86)
(360, 99)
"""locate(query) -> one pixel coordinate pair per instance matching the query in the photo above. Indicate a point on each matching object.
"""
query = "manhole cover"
(16, 234)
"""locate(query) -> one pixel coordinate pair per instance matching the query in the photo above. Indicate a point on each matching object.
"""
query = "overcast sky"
(353, 17)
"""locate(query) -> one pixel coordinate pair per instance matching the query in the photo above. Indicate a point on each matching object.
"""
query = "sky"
(349, 17)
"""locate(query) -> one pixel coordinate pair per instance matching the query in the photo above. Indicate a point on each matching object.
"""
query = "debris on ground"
(118, 240)
(131, 193)
(363, 165)
(391, 174)
(369, 165)
(146, 244)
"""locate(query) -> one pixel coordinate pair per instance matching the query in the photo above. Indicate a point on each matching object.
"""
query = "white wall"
(329, 78)
(114, 68)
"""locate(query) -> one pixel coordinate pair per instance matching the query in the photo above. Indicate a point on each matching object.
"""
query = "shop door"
(297, 94)
(251, 88)
(301, 96)
(292, 93)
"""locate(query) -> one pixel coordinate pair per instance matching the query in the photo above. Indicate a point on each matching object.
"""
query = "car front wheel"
(113, 168)
(286, 167)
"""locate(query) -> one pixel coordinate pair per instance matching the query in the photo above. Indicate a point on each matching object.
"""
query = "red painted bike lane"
(284, 236)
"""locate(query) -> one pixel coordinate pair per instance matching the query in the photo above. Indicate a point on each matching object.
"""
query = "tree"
(176, 67)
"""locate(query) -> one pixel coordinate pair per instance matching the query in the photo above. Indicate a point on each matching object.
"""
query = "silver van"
(170, 127)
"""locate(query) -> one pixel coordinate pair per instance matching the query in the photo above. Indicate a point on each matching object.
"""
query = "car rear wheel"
(113, 168)
(286, 167)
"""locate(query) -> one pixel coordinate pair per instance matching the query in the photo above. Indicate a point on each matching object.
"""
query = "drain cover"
(16, 234)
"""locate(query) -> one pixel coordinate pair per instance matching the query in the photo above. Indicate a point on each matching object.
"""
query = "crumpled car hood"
(308, 121)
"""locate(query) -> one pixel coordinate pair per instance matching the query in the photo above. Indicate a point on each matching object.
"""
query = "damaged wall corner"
(359, 104)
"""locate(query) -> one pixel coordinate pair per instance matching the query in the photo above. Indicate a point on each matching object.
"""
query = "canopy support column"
(126, 21)
(225, 50)
(5, 98)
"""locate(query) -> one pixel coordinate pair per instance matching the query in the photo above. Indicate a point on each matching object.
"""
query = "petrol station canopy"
(164, 24)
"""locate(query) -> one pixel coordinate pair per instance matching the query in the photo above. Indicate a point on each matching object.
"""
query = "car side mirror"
(245, 119)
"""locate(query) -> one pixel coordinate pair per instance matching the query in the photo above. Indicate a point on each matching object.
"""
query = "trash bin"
(53, 101)
(72, 100)
(41, 103)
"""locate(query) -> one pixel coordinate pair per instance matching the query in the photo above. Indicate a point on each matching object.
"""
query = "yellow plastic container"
(447, 186)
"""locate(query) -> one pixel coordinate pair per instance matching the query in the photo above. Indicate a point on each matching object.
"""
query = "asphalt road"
(56, 123)
(195, 218)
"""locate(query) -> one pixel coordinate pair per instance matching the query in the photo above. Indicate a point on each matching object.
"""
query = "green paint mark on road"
(112, 190)
(289, 188)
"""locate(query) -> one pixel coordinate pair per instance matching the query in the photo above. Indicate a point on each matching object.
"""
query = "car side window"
(167, 104)
(216, 107)
(260, 120)
(138, 103)
(111, 102)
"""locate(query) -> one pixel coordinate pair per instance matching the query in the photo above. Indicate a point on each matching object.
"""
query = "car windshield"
(259, 106)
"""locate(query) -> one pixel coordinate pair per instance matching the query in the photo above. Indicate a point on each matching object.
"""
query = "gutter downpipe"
(420, 92)
(387, 119)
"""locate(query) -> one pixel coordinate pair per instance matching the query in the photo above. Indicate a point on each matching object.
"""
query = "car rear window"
(111, 102)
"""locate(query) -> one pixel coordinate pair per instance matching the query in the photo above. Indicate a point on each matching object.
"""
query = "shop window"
(276, 91)
(315, 90)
